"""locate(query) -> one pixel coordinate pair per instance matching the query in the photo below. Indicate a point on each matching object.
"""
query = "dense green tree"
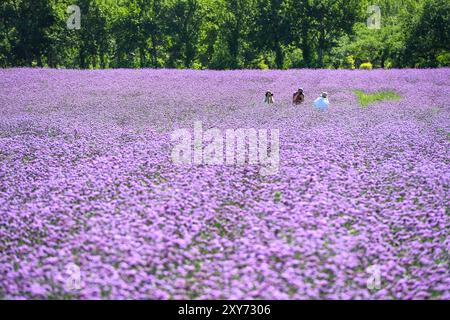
(184, 21)
(224, 34)
(271, 27)
(25, 26)
(379, 47)
(233, 21)
(429, 42)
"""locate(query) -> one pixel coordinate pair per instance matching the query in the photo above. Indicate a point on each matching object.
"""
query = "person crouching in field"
(298, 97)
(322, 102)
(269, 98)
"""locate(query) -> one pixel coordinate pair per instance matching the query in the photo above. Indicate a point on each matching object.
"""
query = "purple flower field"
(87, 180)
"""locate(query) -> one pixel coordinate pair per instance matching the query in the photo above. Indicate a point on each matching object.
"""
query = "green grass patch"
(277, 196)
(367, 98)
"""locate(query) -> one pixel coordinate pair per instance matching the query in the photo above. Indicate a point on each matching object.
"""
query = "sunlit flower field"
(87, 182)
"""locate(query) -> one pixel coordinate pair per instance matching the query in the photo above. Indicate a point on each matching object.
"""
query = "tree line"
(225, 34)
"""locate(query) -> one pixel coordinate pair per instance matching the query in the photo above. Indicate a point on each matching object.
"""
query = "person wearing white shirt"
(322, 102)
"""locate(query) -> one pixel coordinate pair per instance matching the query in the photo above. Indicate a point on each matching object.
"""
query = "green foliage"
(444, 59)
(366, 66)
(349, 62)
(277, 196)
(293, 58)
(261, 63)
(224, 34)
(376, 46)
(368, 98)
(429, 39)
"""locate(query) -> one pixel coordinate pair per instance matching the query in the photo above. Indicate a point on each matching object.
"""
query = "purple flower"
(89, 194)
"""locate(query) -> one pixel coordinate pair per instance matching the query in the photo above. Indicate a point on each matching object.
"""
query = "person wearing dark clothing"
(298, 97)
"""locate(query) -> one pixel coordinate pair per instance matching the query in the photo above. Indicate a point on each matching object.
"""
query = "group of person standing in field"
(320, 103)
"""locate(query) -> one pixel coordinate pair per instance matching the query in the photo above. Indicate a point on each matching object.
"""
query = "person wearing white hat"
(269, 97)
(322, 102)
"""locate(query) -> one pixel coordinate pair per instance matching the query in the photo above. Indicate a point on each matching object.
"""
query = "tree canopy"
(224, 34)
